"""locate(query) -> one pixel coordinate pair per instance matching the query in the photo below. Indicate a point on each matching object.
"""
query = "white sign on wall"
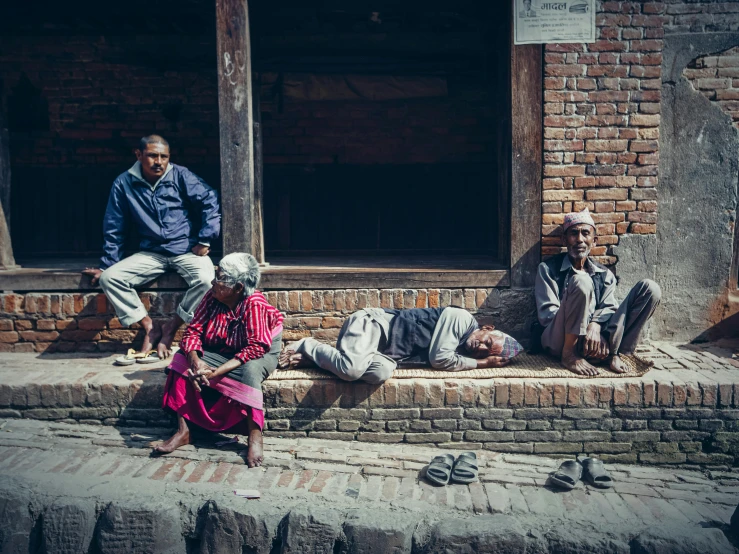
(545, 21)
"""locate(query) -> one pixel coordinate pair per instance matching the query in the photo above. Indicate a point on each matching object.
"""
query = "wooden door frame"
(242, 227)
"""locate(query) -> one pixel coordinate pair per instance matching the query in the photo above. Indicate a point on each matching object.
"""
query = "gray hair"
(241, 268)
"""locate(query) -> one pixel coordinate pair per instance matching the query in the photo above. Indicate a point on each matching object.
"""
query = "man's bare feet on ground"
(169, 330)
(180, 438)
(578, 365)
(255, 455)
(618, 365)
(152, 333)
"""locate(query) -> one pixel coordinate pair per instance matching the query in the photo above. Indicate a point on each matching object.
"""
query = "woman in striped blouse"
(231, 345)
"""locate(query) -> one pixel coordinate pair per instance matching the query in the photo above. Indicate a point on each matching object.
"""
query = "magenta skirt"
(224, 406)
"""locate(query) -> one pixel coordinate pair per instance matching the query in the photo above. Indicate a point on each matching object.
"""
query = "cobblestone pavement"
(370, 474)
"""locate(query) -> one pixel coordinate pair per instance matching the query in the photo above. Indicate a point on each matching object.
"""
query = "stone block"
(311, 529)
(442, 413)
(488, 413)
(582, 436)
(537, 436)
(558, 447)
(417, 438)
(537, 413)
(150, 528)
(396, 413)
(489, 436)
(585, 413)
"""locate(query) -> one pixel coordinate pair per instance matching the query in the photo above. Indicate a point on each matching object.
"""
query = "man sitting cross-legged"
(176, 215)
(576, 304)
(373, 341)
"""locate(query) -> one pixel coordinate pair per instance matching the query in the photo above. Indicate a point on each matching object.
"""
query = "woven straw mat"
(524, 365)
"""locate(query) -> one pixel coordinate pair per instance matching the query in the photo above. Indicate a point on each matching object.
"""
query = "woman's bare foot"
(151, 334)
(180, 438)
(618, 365)
(255, 454)
(169, 330)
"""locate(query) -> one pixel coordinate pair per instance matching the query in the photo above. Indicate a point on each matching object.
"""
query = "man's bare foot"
(578, 365)
(151, 334)
(618, 365)
(180, 438)
(169, 329)
(255, 455)
(289, 359)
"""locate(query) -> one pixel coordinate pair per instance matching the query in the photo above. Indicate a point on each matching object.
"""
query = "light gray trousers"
(356, 355)
(622, 330)
(119, 280)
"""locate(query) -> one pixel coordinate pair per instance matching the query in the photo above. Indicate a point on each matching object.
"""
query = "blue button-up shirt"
(171, 216)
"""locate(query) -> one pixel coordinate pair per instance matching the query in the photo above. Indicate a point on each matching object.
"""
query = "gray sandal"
(567, 476)
(465, 468)
(596, 474)
(440, 468)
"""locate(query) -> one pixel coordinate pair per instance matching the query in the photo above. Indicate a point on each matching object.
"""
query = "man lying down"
(374, 341)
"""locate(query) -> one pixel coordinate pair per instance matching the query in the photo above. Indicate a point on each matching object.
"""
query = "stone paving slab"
(58, 478)
(352, 473)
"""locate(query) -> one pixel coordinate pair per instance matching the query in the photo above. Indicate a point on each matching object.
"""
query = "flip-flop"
(439, 469)
(465, 468)
(567, 475)
(132, 357)
(129, 358)
(148, 357)
(596, 474)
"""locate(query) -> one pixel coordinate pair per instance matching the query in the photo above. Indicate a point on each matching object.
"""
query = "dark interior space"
(386, 125)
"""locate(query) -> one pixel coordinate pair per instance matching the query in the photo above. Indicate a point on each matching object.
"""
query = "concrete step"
(79, 488)
(684, 414)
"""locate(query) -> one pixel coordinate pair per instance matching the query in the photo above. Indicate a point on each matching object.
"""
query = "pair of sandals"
(590, 469)
(133, 357)
(445, 468)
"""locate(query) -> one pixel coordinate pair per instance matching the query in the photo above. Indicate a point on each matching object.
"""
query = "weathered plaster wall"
(699, 171)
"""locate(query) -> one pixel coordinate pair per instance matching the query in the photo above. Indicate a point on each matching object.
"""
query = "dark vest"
(554, 265)
(410, 335)
(599, 279)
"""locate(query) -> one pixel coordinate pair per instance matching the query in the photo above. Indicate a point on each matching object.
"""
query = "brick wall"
(99, 106)
(717, 78)
(682, 16)
(100, 103)
(65, 322)
(601, 126)
(458, 128)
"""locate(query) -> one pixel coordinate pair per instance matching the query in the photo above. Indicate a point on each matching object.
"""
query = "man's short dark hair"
(152, 139)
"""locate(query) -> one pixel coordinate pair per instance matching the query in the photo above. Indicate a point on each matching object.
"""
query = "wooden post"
(526, 164)
(236, 127)
(258, 175)
(7, 260)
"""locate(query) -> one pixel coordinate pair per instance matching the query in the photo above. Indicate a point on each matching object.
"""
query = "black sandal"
(440, 468)
(596, 474)
(567, 476)
(465, 468)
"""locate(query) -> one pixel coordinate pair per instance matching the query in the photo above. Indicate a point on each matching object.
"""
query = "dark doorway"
(385, 127)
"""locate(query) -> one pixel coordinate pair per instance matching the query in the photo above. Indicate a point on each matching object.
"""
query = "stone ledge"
(676, 416)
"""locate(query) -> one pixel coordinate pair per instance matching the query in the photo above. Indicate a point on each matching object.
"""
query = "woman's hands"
(199, 372)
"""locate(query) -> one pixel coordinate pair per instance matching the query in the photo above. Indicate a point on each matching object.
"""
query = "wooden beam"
(236, 126)
(526, 166)
(258, 174)
(7, 260)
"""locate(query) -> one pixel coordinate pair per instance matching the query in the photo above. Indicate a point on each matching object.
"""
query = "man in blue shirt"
(176, 216)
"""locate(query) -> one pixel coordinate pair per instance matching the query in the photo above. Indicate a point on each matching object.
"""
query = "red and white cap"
(576, 218)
